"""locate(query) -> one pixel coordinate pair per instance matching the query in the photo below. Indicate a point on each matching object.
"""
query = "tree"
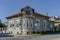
(59, 27)
(4, 27)
(1, 25)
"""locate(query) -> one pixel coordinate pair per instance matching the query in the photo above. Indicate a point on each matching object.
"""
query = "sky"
(10, 7)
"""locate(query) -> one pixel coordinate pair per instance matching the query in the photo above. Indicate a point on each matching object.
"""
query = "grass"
(36, 34)
(43, 33)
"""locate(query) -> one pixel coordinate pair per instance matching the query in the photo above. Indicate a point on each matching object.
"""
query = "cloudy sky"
(9, 7)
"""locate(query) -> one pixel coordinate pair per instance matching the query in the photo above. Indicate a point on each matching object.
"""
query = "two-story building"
(28, 21)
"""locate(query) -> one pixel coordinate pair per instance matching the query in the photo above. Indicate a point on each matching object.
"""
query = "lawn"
(36, 34)
(43, 33)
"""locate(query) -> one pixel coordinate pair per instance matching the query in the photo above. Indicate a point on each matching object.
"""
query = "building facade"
(28, 21)
(57, 23)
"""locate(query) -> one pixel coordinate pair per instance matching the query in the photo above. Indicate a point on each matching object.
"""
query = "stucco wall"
(41, 25)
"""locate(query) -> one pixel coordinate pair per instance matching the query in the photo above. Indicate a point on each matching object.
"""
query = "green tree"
(4, 27)
(1, 25)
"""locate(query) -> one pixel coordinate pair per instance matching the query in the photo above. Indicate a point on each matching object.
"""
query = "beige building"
(57, 23)
(28, 21)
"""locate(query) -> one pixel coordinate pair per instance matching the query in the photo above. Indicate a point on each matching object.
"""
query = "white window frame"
(36, 23)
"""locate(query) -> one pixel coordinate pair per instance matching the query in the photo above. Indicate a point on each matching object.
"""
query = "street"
(42, 37)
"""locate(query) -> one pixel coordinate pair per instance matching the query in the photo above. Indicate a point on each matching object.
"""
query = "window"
(44, 24)
(27, 23)
(24, 23)
(18, 24)
(27, 12)
(31, 23)
(51, 25)
(37, 23)
(11, 25)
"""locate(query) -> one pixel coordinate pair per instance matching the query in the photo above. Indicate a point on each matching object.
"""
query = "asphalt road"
(5, 35)
(43, 37)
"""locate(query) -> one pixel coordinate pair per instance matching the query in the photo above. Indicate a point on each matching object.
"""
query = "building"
(57, 23)
(28, 21)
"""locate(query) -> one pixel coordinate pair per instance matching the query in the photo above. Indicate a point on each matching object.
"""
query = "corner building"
(28, 21)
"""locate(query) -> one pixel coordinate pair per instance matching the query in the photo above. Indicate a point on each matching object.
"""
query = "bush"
(38, 32)
(33, 32)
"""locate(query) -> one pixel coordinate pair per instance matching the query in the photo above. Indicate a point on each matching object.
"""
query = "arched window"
(11, 23)
(18, 23)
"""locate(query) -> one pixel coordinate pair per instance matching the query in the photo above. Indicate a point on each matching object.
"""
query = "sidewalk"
(56, 39)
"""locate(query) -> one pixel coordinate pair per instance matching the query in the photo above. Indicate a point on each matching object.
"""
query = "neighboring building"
(28, 21)
(57, 23)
